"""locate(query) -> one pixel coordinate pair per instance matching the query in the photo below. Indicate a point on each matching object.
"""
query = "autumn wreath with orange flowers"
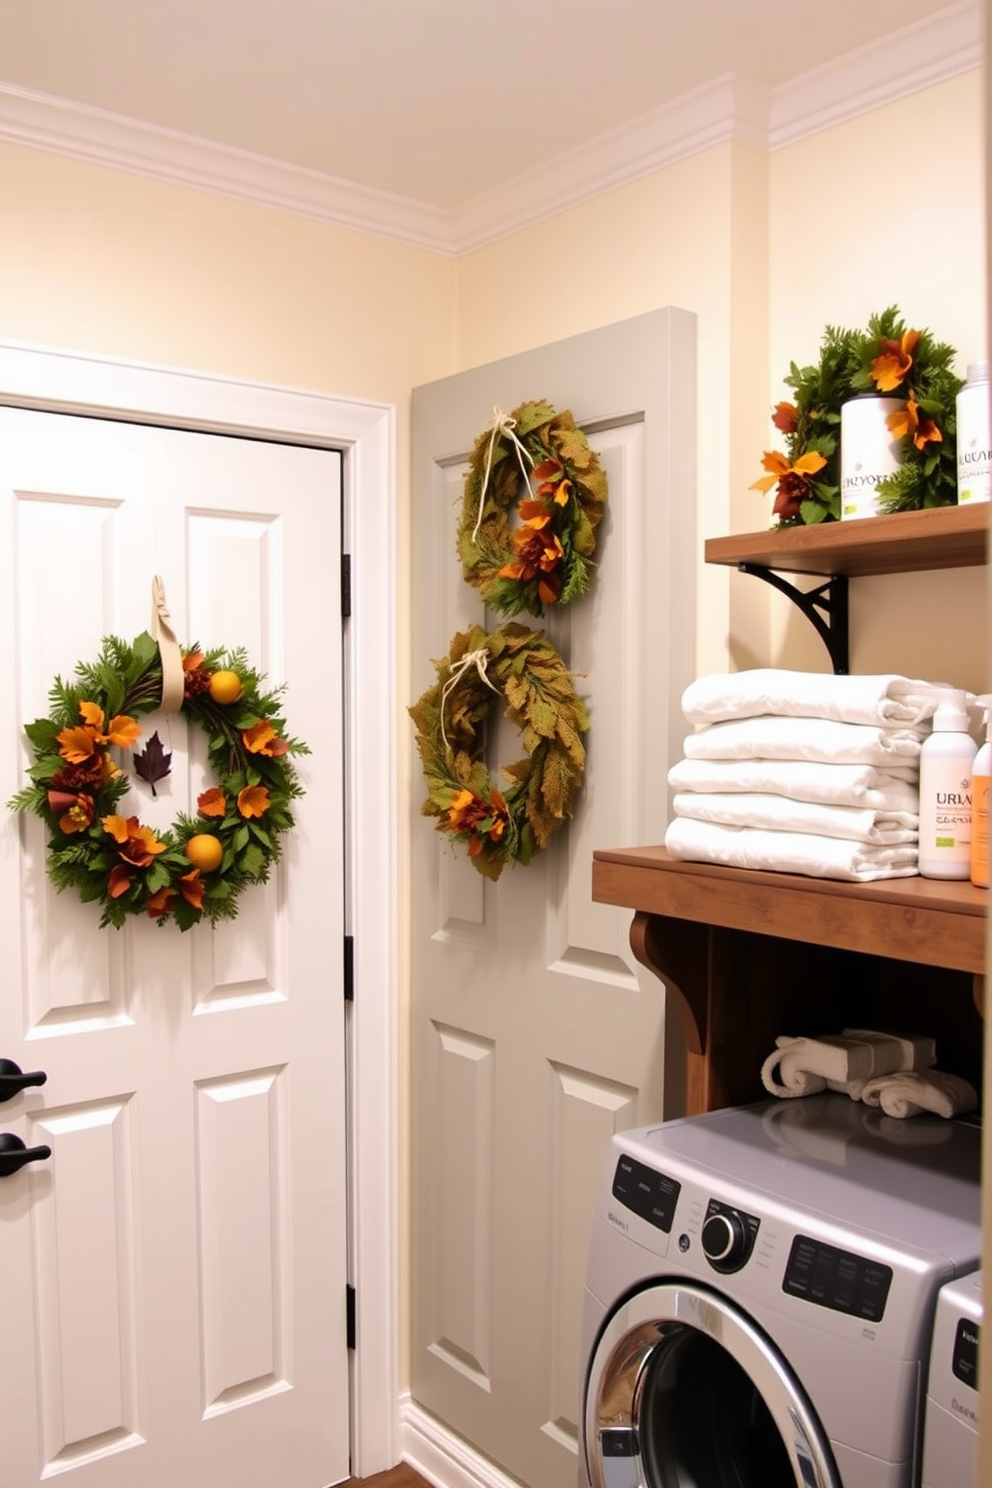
(534, 496)
(888, 358)
(197, 868)
(518, 668)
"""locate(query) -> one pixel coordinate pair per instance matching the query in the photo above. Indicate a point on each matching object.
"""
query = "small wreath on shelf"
(886, 358)
(197, 868)
(519, 666)
(527, 551)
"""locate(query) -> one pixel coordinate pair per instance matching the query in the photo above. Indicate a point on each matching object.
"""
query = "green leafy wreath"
(519, 666)
(527, 552)
(197, 868)
(886, 358)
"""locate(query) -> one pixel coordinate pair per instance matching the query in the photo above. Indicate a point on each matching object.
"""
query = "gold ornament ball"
(225, 687)
(204, 852)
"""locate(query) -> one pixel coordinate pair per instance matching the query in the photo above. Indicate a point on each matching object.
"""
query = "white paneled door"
(173, 1276)
(534, 1034)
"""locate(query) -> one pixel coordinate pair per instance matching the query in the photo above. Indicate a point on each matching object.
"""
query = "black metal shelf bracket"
(824, 607)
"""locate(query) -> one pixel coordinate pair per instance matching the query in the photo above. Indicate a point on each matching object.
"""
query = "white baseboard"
(444, 1459)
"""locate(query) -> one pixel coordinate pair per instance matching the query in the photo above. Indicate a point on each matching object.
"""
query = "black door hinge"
(349, 968)
(351, 1325)
(345, 585)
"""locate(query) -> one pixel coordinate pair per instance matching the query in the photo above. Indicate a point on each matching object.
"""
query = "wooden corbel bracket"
(678, 953)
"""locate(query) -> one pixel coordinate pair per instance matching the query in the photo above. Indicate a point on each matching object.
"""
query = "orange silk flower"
(895, 360)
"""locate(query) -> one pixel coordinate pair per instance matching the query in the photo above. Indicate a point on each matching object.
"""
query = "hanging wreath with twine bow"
(197, 868)
(520, 667)
(534, 496)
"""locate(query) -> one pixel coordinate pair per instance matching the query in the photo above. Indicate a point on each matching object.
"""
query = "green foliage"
(519, 668)
(927, 474)
(495, 481)
(83, 853)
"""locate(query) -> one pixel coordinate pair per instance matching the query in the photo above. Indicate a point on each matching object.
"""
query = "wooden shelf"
(925, 920)
(946, 537)
(745, 956)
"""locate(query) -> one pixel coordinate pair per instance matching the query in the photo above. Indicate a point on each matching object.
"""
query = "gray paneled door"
(534, 1034)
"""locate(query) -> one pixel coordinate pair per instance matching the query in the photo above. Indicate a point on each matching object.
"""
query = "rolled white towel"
(799, 1081)
(788, 852)
(846, 1063)
(894, 788)
(779, 814)
(805, 1066)
(883, 699)
(771, 737)
(911, 1092)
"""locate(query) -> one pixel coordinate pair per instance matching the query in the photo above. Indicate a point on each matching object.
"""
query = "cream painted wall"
(102, 261)
(763, 249)
(663, 240)
(888, 209)
(767, 250)
(746, 397)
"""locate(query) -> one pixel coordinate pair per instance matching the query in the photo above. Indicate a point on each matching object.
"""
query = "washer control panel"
(837, 1279)
(964, 1360)
(647, 1192)
(728, 1236)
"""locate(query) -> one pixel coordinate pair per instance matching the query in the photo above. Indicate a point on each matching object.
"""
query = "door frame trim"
(53, 380)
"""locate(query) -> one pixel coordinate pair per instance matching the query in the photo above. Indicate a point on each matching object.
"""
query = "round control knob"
(725, 1239)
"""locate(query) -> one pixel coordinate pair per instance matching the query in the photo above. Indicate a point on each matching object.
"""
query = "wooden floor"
(397, 1477)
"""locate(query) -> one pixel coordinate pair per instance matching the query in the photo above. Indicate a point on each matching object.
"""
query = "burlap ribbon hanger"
(173, 680)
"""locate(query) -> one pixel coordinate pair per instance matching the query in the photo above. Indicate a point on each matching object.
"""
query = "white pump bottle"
(945, 791)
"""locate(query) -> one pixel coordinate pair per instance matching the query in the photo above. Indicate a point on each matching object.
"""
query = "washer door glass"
(684, 1391)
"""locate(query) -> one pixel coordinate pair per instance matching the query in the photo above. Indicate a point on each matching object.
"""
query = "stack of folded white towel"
(892, 1071)
(802, 772)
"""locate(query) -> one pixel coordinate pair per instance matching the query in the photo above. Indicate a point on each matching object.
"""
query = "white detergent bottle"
(946, 761)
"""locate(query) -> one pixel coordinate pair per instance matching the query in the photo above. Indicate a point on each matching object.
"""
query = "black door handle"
(14, 1154)
(12, 1081)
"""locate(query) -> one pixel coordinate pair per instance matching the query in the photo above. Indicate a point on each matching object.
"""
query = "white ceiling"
(453, 109)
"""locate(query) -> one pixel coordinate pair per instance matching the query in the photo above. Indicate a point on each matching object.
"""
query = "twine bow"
(173, 680)
(503, 426)
(478, 659)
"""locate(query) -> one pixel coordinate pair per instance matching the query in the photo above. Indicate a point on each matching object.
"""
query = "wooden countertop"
(930, 921)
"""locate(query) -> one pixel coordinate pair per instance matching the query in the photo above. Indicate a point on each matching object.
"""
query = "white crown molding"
(918, 56)
(734, 107)
(102, 138)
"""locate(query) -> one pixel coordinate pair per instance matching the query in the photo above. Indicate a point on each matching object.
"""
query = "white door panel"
(180, 1261)
(534, 1036)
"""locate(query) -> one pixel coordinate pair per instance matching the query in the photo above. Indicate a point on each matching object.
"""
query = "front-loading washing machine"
(760, 1295)
(950, 1431)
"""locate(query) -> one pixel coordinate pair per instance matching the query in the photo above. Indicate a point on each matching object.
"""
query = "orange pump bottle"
(981, 778)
